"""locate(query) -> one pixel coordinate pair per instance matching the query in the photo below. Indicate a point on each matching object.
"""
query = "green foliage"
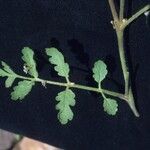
(99, 71)
(3, 73)
(21, 90)
(28, 58)
(9, 81)
(66, 99)
(6, 71)
(7, 68)
(57, 59)
(9, 73)
(110, 106)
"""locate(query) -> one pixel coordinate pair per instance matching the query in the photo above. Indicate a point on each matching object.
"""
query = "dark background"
(81, 29)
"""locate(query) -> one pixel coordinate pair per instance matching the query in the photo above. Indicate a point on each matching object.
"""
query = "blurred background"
(11, 141)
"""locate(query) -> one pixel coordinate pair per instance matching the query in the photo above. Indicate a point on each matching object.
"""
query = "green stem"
(128, 90)
(131, 103)
(120, 26)
(103, 95)
(136, 15)
(120, 37)
(121, 13)
(77, 86)
(113, 10)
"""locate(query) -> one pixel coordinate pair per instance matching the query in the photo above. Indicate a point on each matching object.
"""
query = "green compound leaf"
(27, 57)
(110, 106)
(21, 90)
(99, 71)
(57, 59)
(66, 99)
(9, 81)
(7, 68)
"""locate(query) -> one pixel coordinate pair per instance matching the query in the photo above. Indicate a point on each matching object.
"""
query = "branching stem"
(136, 15)
(77, 86)
(119, 25)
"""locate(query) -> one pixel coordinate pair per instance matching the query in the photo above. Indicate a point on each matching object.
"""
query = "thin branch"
(131, 103)
(121, 13)
(113, 10)
(120, 39)
(77, 86)
(136, 15)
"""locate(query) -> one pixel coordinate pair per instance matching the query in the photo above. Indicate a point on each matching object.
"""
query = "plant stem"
(113, 10)
(77, 86)
(136, 15)
(121, 13)
(128, 90)
(131, 103)
(120, 38)
(119, 25)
